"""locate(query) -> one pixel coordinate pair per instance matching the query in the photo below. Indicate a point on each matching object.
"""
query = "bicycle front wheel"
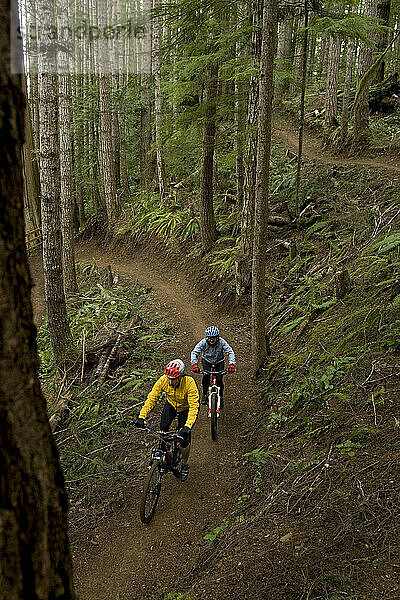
(214, 416)
(176, 462)
(151, 493)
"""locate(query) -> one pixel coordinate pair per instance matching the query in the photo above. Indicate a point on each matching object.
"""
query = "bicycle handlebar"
(215, 373)
(165, 435)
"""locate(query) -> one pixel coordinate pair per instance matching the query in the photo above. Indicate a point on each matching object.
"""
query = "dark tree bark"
(259, 346)
(35, 560)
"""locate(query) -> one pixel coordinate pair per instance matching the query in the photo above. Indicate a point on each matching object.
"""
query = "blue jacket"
(212, 353)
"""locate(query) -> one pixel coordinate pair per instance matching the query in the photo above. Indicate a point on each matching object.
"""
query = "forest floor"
(121, 559)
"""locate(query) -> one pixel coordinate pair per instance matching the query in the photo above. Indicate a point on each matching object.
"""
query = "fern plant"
(388, 243)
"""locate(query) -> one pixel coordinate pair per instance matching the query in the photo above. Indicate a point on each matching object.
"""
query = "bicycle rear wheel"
(151, 493)
(214, 416)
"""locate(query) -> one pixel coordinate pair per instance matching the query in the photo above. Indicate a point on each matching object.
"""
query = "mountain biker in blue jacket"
(212, 349)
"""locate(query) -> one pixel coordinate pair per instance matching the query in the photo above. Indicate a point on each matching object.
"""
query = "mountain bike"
(214, 400)
(164, 459)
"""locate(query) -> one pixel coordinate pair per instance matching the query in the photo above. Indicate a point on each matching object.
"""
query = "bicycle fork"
(213, 389)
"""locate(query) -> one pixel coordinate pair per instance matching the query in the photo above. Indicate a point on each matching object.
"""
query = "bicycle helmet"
(212, 331)
(175, 369)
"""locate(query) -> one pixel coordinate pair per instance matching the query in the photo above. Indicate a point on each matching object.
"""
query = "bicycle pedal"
(156, 455)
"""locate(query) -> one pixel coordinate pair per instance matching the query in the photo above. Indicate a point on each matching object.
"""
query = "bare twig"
(83, 355)
(98, 423)
(373, 404)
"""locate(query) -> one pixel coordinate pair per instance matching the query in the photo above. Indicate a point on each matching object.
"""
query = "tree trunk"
(302, 105)
(157, 32)
(146, 172)
(298, 54)
(240, 110)
(312, 45)
(365, 58)
(31, 172)
(122, 122)
(259, 347)
(383, 13)
(322, 57)
(60, 334)
(116, 102)
(207, 219)
(35, 559)
(106, 148)
(346, 92)
(332, 84)
(285, 52)
(67, 206)
(33, 77)
(244, 253)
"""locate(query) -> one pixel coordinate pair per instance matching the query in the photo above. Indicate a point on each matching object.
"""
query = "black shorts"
(168, 415)
(219, 366)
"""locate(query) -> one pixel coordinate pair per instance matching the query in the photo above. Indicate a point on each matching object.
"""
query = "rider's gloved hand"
(184, 432)
(231, 368)
(139, 423)
(195, 368)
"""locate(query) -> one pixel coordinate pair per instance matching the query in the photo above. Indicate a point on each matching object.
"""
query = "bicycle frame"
(166, 455)
(214, 389)
(164, 459)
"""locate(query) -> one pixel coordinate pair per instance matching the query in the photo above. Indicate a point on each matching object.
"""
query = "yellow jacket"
(185, 396)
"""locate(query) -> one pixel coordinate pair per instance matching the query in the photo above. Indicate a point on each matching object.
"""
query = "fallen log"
(107, 363)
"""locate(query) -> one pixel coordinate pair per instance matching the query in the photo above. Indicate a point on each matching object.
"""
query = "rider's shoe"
(184, 471)
(204, 399)
(176, 472)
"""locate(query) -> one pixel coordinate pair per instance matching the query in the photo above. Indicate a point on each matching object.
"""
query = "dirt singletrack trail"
(131, 561)
(286, 134)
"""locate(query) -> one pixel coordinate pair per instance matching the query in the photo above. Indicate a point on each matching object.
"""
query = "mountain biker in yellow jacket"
(182, 400)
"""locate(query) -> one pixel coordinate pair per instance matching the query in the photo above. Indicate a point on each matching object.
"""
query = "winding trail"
(131, 561)
(286, 134)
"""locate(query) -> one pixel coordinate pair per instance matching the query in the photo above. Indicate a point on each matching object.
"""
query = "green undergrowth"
(95, 430)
